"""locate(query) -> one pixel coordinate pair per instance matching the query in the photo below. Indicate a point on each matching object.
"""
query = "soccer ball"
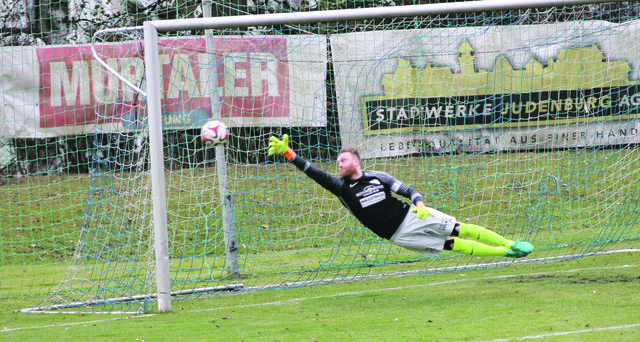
(214, 133)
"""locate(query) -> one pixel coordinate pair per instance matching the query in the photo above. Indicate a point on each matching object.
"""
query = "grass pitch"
(589, 299)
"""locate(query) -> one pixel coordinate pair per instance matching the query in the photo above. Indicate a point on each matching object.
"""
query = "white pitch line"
(75, 323)
(356, 293)
(541, 336)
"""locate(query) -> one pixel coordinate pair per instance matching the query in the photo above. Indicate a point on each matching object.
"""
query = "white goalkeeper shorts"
(424, 236)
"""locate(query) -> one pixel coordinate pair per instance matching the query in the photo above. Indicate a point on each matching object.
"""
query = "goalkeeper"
(367, 195)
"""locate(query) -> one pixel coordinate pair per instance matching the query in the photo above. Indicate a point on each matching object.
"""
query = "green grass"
(587, 299)
(290, 229)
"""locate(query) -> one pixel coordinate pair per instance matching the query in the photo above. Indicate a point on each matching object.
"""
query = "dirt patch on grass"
(584, 279)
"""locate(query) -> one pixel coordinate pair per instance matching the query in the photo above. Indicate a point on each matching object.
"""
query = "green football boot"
(520, 249)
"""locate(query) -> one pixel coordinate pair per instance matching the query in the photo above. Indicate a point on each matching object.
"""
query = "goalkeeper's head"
(349, 163)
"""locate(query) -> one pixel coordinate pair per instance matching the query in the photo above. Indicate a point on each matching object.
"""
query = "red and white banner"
(248, 81)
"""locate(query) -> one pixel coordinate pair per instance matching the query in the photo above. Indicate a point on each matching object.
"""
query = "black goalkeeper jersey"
(368, 198)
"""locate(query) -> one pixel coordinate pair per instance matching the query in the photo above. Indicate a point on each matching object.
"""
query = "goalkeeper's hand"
(280, 147)
(422, 212)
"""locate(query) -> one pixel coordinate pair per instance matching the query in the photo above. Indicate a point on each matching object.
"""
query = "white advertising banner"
(488, 88)
(248, 81)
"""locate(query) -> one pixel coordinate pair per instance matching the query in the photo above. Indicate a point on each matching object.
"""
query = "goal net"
(524, 121)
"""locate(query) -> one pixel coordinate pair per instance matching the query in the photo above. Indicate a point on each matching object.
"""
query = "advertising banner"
(247, 81)
(488, 88)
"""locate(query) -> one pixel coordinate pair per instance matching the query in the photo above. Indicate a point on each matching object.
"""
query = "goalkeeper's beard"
(348, 172)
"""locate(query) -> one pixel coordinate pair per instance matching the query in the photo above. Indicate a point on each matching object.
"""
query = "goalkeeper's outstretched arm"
(324, 179)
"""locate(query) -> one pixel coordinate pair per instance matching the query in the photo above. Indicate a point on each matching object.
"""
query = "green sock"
(484, 235)
(475, 248)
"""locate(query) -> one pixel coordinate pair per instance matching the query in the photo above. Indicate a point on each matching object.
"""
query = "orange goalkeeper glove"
(421, 211)
(280, 147)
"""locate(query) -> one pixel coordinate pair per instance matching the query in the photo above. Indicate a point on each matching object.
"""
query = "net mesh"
(524, 122)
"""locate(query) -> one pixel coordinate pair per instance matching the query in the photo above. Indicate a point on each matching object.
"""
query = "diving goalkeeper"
(367, 195)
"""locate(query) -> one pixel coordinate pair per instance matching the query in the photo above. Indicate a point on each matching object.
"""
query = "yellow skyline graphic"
(575, 68)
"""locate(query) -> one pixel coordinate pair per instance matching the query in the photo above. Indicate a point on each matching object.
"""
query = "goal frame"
(152, 29)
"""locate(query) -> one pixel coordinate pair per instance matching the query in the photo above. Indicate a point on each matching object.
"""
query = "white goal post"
(152, 29)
